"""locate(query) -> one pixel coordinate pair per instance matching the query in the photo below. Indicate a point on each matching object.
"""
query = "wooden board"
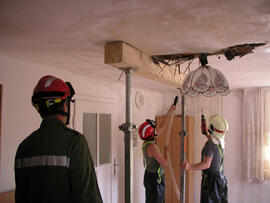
(122, 55)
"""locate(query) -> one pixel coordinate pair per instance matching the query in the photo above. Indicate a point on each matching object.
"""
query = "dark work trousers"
(214, 187)
(154, 188)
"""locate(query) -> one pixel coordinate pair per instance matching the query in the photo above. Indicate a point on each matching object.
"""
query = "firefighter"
(214, 186)
(54, 164)
(154, 160)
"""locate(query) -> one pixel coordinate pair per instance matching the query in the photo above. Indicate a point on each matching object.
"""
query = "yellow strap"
(143, 146)
(159, 168)
(58, 100)
(147, 143)
(159, 174)
(36, 106)
(221, 154)
(52, 101)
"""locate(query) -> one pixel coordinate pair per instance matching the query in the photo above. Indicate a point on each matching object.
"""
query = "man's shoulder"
(148, 143)
(73, 131)
(29, 137)
(209, 145)
(74, 135)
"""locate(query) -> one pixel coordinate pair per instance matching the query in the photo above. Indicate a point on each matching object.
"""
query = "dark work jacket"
(54, 164)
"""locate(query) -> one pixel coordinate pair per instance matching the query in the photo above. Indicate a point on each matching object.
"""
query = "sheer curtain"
(256, 130)
(267, 135)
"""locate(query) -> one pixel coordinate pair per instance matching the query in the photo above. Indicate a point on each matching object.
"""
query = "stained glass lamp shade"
(206, 81)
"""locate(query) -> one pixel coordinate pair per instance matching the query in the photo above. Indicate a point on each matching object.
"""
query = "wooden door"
(174, 152)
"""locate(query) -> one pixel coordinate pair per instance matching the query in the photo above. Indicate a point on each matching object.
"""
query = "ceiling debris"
(176, 60)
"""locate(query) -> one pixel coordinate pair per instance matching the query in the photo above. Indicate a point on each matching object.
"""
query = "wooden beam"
(122, 55)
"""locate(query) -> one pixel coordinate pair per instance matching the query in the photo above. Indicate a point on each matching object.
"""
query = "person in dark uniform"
(154, 160)
(214, 186)
(54, 164)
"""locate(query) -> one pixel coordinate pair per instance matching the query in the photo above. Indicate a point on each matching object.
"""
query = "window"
(97, 131)
(104, 138)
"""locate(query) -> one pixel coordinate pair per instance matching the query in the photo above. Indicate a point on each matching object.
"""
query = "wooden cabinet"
(174, 152)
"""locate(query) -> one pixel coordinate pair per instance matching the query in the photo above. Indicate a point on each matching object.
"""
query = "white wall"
(239, 189)
(152, 104)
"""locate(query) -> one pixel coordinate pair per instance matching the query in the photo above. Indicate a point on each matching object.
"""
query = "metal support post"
(183, 135)
(127, 129)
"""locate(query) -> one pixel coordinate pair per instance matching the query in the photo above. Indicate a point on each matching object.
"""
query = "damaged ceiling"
(71, 35)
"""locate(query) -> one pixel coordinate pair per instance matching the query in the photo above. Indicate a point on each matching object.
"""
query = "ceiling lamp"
(205, 80)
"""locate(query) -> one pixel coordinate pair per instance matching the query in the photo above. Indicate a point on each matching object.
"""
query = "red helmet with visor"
(50, 93)
(50, 87)
(147, 130)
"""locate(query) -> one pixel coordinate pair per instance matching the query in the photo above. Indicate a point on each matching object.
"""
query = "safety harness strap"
(144, 162)
(221, 154)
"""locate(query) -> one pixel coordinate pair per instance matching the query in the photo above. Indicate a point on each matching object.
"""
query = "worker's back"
(54, 164)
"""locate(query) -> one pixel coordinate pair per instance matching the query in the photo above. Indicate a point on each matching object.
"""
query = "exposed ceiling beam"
(122, 55)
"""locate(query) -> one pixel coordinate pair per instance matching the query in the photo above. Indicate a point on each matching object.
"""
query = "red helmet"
(50, 87)
(50, 93)
(146, 131)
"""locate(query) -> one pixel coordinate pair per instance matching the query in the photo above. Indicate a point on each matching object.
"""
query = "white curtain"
(256, 129)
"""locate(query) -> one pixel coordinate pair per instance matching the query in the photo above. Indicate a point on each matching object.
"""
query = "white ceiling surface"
(71, 34)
